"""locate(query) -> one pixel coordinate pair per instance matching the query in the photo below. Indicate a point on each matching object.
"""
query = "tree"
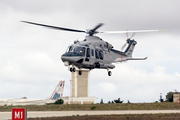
(128, 101)
(118, 101)
(59, 101)
(101, 101)
(169, 97)
(161, 100)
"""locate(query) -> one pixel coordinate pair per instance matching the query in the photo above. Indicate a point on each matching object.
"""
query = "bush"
(118, 101)
(93, 107)
(101, 101)
(59, 101)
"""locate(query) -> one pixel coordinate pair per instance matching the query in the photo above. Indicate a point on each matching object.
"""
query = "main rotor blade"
(130, 31)
(54, 27)
(96, 27)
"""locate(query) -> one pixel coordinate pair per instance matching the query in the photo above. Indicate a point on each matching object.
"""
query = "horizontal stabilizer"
(125, 59)
(137, 58)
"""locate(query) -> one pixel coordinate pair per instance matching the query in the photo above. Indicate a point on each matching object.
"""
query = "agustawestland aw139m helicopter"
(93, 52)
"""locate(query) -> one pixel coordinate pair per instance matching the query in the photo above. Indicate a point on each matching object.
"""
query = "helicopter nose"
(70, 57)
(64, 58)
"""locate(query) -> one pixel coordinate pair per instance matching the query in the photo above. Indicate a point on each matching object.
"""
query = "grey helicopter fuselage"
(93, 52)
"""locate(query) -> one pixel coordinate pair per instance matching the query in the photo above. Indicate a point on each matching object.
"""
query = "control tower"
(80, 88)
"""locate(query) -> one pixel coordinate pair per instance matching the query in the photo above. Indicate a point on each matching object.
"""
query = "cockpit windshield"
(76, 49)
(69, 49)
(80, 50)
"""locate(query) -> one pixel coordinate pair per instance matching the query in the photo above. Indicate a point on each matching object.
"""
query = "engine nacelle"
(109, 46)
(76, 41)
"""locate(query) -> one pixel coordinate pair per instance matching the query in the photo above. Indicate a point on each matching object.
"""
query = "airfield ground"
(115, 106)
(95, 107)
(116, 117)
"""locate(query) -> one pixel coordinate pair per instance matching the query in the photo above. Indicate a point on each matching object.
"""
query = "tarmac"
(34, 114)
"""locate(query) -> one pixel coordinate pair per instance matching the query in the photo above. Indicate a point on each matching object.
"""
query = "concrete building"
(79, 89)
(176, 96)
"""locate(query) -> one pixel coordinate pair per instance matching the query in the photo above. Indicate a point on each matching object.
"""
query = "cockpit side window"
(101, 55)
(97, 54)
(88, 52)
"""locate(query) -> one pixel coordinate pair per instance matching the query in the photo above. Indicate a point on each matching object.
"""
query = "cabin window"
(88, 52)
(92, 52)
(97, 54)
(101, 55)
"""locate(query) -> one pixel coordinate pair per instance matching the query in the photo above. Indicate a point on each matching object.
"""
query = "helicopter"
(93, 52)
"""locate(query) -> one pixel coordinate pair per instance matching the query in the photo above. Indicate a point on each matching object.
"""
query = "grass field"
(116, 117)
(115, 106)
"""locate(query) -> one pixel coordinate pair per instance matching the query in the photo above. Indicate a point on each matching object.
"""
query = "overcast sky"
(30, 63)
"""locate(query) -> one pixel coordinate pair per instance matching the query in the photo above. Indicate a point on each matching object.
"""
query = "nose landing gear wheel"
(73, 69)
(80, 72)
(109, 73)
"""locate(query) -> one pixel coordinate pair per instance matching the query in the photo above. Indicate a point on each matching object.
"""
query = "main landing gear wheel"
(109, 73)
(80, 72)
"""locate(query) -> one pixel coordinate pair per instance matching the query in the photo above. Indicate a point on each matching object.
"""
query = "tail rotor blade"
(133, 35)
(127, 34)
(123, 46)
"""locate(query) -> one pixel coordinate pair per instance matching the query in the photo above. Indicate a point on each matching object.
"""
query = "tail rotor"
(128, 38)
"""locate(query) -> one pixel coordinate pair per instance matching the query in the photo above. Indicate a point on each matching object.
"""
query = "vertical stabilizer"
(130, 48)
(58, 92)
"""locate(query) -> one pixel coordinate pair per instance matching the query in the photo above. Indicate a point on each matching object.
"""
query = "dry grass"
(118, 106)
(116, 117)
